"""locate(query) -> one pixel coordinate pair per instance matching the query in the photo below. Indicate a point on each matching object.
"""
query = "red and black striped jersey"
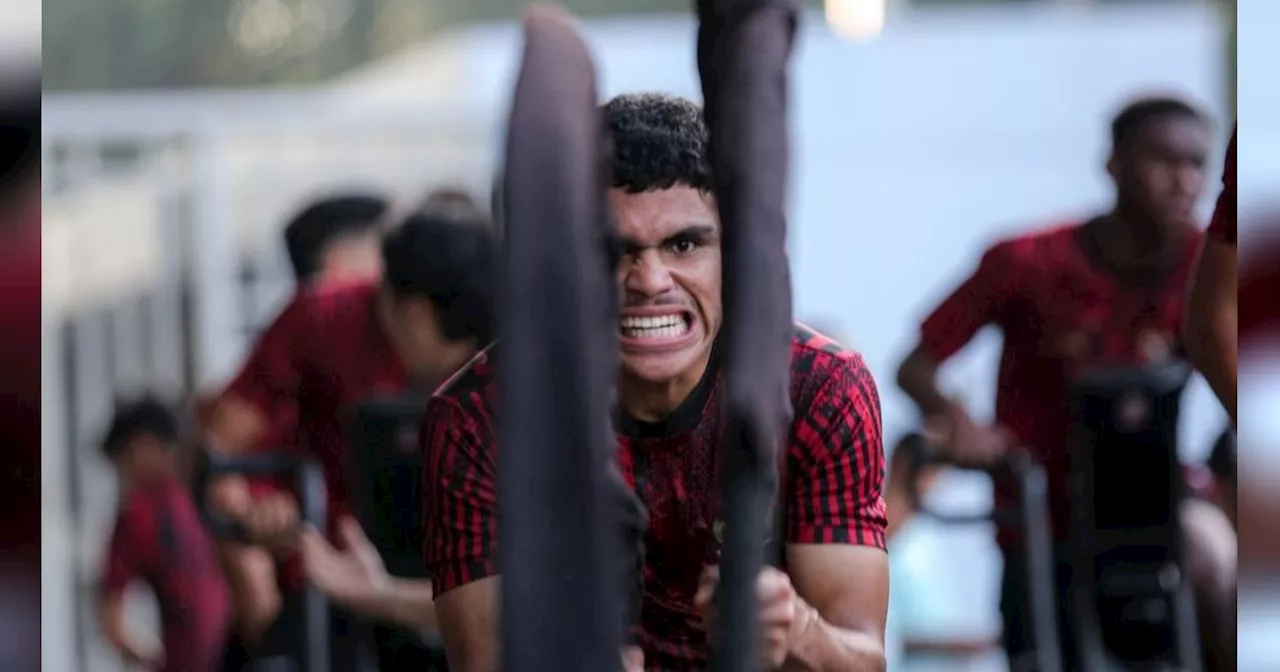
(832, 474)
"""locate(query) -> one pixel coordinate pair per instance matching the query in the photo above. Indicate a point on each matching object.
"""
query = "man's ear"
(1113, 167)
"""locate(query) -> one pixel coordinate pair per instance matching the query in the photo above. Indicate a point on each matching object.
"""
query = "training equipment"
(560, 598)
(1131, 602)
(1031, 515)
(308, 650)
(742, 52)
(386, 462)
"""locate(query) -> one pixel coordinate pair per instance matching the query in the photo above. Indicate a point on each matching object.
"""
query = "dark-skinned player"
(1212, 323)
(1106, 290)
(827, 610)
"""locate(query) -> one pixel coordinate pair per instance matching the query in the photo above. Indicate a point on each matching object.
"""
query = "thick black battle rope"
(743, 49)
(560, 593)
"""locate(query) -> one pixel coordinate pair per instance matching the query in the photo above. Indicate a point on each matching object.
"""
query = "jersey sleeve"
(269, 378)
(1223, 224)
(459, 487)
(980, 300)
(125, 549)
(835, 467)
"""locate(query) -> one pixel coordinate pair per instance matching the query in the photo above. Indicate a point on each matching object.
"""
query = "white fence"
(146, 233)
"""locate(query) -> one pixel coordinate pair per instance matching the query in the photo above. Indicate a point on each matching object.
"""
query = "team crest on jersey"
(1155, 346)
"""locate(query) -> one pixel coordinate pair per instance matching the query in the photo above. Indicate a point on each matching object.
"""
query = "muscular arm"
(836, 526)
(980, 300)
(918, 378)
(468, 618)
(459, 488)
(1210, 327)
(409, 603)
(849, 587)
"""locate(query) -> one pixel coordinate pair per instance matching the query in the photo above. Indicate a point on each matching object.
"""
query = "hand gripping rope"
(558, 352)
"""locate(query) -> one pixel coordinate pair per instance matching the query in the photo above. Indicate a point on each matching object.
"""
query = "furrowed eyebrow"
(696, 232)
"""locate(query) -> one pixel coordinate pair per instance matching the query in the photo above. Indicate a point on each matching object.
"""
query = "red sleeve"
(459, 497)
(836, 462)
(126, 549)
(269, 379)
(978, 301)
(1223, 224)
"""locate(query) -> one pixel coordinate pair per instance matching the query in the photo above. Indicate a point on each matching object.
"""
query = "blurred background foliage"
(153, 44)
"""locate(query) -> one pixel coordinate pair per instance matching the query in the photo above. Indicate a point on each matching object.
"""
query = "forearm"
(408, 603)
(1214, 350)
(111, 622)
(917, 377)
(824, 647)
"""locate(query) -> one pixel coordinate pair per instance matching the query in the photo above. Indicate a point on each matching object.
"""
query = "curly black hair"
(658, 141)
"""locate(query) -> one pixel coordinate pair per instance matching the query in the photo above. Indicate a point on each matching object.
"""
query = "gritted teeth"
(653, 321)
(655, 326)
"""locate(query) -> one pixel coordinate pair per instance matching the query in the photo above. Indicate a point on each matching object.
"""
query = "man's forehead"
(653, 216)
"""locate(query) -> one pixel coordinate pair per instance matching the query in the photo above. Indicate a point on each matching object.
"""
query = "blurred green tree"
(146, 44)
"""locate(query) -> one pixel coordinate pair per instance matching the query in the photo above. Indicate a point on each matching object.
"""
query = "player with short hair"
(1212, 323)
(336, 237)
(827, 611)
(336, 344)
(332, 238)
(160, 539)
(1105, 290)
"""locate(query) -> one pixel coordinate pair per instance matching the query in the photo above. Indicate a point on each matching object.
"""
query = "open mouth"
(656, 327)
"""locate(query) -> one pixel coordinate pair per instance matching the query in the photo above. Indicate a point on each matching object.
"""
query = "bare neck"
(650, 401)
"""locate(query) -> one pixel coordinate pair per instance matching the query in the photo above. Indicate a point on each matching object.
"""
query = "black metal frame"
(313, 646)
(376, 448)
(1031, 514)
(1098, 400)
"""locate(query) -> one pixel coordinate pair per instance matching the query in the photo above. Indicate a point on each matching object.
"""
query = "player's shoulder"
(136, 506)
(816, 358)
(476, 377)
(338, 297)
(1037, 242)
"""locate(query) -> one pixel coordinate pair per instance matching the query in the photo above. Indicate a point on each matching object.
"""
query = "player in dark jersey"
(160, 539)
(1108, 290)
(334, 238)
(827, 611)
(1211, 326)
(338, 343)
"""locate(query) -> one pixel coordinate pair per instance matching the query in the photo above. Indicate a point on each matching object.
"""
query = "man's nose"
(1189, 179)
(646, 274)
